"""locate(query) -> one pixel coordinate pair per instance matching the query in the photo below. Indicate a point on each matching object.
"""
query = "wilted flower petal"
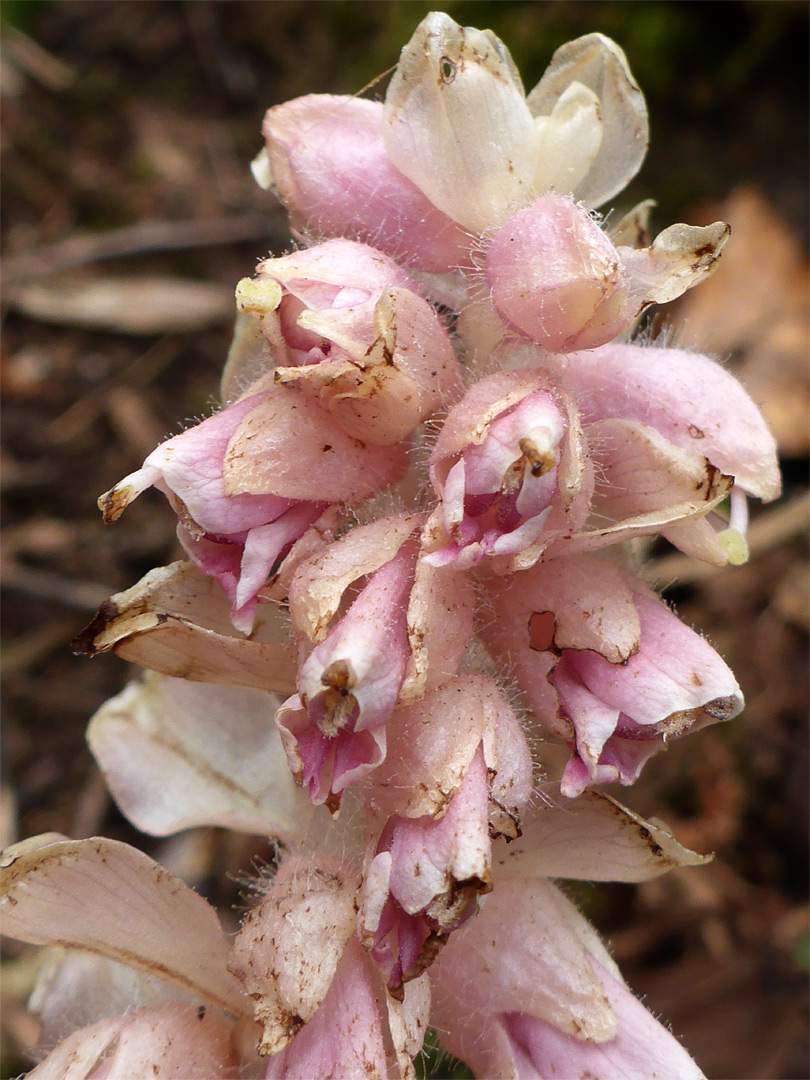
(592, 838)
(348, 685)
(176, 621)
(178, 1042)
(425, 880)
(347, 325)
(289, 947)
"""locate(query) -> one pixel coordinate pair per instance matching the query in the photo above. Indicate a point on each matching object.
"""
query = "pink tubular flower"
(425, 880)
(458, 773)
(558, 278)
(527, 990)
(604, 663)
(511, 471)
(345, 323)
(405, 631)
(247, 482)
(333, 729)
(697, 406)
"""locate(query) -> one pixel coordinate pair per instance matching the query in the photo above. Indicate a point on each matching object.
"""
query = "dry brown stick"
(45, 585)
(138, 373)
(136, 240)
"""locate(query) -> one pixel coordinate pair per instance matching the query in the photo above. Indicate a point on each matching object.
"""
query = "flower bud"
(557, 277)
(326, 158)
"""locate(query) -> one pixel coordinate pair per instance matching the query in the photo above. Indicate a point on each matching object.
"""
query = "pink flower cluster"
(405, 521)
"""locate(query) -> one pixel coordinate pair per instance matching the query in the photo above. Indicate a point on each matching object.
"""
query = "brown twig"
(79, 250)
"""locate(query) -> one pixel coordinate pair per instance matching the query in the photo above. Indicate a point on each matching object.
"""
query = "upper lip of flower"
(458, 124)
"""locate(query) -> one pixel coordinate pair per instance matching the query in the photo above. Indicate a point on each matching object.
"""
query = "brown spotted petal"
(456, 122)
(110, 899)
(575, 603)
(170, 1040)
(319, 583)
(690, 399)
(380, 384)
(425, 879)
(645, 480)
(646, 485)
(678, 259)
(288, 446)
(176, 621)
(440, 626)
(594, 66)
(606, 665)
(432, 743)
(592, 838)
(290, 946)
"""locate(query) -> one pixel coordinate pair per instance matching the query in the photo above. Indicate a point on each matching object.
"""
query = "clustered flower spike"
(402, 534)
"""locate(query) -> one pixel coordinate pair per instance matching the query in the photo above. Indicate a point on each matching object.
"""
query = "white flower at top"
(457, 122)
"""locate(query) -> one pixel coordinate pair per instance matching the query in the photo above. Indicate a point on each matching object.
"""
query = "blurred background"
(129, 213)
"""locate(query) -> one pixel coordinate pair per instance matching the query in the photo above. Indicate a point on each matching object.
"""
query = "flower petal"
(527, 950)
(175, 620)
(329, 164)
(569, 140)
(345, 1037)
(456, 123)
(690, 399)
(679, 258)
(170, 1041)
(593, 838)
(600, 65)
(74, 989)
(641, 472)
(643, 1047)
(318, 584)
(110, 899)
(288, 446)
(178, 754)
(290, 946)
